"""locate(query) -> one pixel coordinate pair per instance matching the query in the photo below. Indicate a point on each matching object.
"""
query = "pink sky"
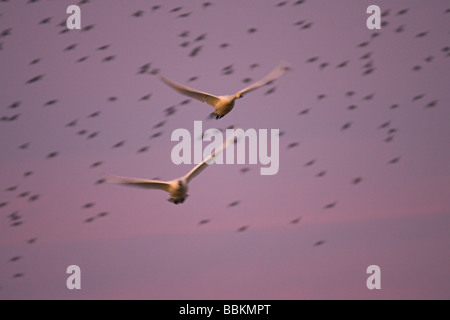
(397, 217)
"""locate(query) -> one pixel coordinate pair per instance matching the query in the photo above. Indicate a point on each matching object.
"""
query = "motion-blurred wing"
(202, 96)
(141, 183)
(201, 166)
(272, 76)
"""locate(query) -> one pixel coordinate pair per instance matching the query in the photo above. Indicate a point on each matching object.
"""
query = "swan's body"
(177, 188)
(224, 104)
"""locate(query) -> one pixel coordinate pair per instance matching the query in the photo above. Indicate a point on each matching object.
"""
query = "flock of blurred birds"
(194, 44)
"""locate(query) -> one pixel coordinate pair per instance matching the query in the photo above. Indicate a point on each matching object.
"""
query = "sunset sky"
(364, 172)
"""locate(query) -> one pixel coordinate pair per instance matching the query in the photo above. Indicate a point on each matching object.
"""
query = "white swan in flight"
(224, 104)
(177, 188)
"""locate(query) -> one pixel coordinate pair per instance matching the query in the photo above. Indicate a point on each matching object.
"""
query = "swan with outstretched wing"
(224, 104)
(177, 188)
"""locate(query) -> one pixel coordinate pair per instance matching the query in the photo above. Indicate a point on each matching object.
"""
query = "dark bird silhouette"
(34, 198)
(102, 214)
(138, 14)
(323, 65)
(71, 47)
(307, 25)
(16, 224)
(119, 144)
(13, 188)
(295, 221)
(363, 44)
(88, 28)
(343, 64)
(184, 15)
(92, 135)
(100, 181)
(384, 125)
(103, 47)
(35, 61)
(303, 112)
(200, 37)
(24, 146)
(184, 34)
(346, 125)
(82, 59)
(51, 102)
(421, 34)
(52, 155)
(156, 7)
(270, 91)
(14, 259)
(356, 180)
(88, 205)
(312, 59)
(108, 58)
(72, 123)
(431, 104)
(14, 105)
(159, 124)
(402, 12)
(146, 97)
(244, 170)
(143, 149)
(206, 4)
(400, 29)
(243, 228)
(369, 97)
(94, 114)
(393, 161)
(28, 173)
(394, 106)
(233, 204)
(170, 111)
(321, 174)
(203, 222)
(319, 243)
(96, 164)
(35, 79)
(185, 44)
(195, 51)
(292, 145)
(24, 194)
(368, 71)
(281, 4)
(156, 135)
(366, 56)
(330, 205)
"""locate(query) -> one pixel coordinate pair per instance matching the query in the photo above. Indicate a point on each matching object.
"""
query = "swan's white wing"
(202, 96)
(272, 76)
(141, 183)
(201, 166)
